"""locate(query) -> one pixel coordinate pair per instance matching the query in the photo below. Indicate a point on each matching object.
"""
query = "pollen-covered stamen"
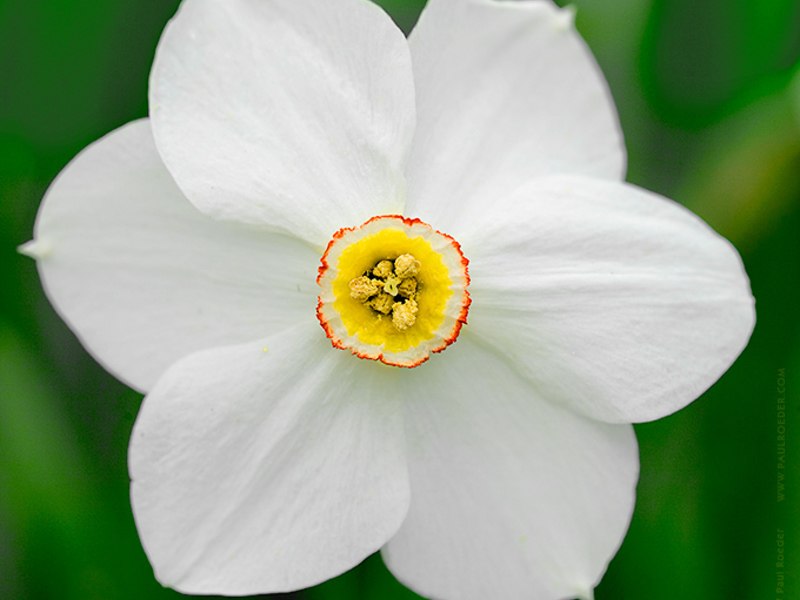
(379, 286)
(383, 269)
(407, 287)
(363, 288)
(406, 266)
(393, 289)
(404, 314)
(382, 303)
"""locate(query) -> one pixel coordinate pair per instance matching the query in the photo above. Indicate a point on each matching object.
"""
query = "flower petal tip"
(586, 594)
(565, 18)
(36, 249)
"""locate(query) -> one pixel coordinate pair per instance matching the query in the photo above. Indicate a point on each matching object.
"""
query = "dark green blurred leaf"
(63, 531)
(369, 580)
(403, 12)
(699, 56)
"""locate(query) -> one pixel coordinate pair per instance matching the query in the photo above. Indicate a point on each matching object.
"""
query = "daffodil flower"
(497, 305)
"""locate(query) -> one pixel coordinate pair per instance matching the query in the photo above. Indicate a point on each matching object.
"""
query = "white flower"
(264, 459)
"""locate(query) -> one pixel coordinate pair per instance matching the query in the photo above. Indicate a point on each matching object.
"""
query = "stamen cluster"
(391, 288)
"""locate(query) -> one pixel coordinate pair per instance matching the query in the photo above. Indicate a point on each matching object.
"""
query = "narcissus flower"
(497, 306)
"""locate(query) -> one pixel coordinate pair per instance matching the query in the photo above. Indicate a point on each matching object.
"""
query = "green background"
(710, 104)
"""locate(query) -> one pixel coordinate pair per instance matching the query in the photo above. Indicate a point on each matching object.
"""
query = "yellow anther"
(382, 303)
(363, 288)
(404, 314)
(383, 269)
(406, 266)
(407, 287)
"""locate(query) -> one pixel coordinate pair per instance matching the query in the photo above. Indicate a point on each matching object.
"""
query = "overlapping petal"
(512, 497)
(296, 114)
(608, 298)
(506, 91)
(266, 467)
(144, 278)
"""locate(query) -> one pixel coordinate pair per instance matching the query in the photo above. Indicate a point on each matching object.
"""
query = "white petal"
(297, 114)
(609, 298)
(512, 498)
(266, 467)
(144, 278)
(506, 91)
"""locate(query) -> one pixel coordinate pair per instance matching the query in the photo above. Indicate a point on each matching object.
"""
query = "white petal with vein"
(513, 497)
(144, 278)
(506, 91)
(608, 298)
(296, 114)
(266, 467)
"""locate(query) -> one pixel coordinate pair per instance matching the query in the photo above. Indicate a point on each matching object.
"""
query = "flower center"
(390, 288)
(394, 290)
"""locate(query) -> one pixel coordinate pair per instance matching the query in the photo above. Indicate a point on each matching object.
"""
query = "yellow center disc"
(420, 272)
(433, 290)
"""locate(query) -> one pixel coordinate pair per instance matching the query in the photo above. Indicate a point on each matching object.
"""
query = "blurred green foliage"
(709, 98)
